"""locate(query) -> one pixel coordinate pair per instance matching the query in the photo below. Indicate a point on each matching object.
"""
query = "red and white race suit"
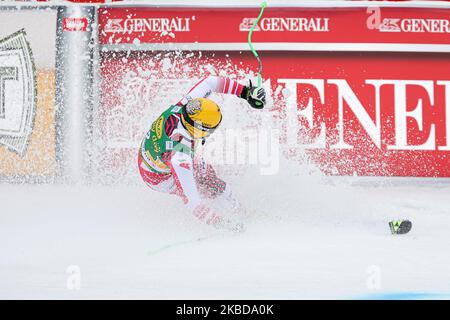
(193, 180)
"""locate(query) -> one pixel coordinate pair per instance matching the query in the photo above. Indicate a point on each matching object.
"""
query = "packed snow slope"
(309, 237)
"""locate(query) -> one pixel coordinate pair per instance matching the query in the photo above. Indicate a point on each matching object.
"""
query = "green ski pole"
(263, 5)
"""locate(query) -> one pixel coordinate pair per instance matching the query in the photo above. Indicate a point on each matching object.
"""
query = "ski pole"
(263, 5)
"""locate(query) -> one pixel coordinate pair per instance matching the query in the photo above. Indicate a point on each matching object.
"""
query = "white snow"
(309, 237)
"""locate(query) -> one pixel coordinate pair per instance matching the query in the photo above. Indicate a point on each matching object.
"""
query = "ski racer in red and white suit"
(166, 157)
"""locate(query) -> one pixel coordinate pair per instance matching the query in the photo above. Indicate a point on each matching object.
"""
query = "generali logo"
(390, 25)
(404, 112)
(148, 25)
(286, 24)
(415, 25)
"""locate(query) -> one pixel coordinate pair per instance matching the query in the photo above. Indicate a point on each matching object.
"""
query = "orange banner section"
(40, 157)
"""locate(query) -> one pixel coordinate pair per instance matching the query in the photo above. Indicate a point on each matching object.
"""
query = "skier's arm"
(210, 84)
(255, 96)
(182, 168)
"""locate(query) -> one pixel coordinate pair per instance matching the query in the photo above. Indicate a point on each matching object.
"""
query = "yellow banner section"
(40, 156)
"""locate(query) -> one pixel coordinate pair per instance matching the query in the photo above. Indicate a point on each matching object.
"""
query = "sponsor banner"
(17, 92)
(301, 25)
(75, 24)
(27, 93)
(350, 113)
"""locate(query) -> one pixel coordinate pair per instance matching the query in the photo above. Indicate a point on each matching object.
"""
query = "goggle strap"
(196, 124)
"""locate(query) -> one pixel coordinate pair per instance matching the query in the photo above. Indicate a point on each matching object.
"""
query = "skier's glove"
(255, 96)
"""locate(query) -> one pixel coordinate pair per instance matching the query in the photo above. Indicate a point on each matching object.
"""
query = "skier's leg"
(217, 191)
(209, 184)
(158, 182)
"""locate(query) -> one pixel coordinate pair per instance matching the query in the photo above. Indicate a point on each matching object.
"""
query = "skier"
(167, 161)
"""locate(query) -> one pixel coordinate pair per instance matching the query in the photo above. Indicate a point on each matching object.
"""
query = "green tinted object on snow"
(400, 226)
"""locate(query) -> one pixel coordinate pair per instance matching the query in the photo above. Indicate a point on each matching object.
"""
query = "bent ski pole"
(263, 5)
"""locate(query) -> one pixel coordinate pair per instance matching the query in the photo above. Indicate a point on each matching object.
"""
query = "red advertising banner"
(354, 113)
(291, 25)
